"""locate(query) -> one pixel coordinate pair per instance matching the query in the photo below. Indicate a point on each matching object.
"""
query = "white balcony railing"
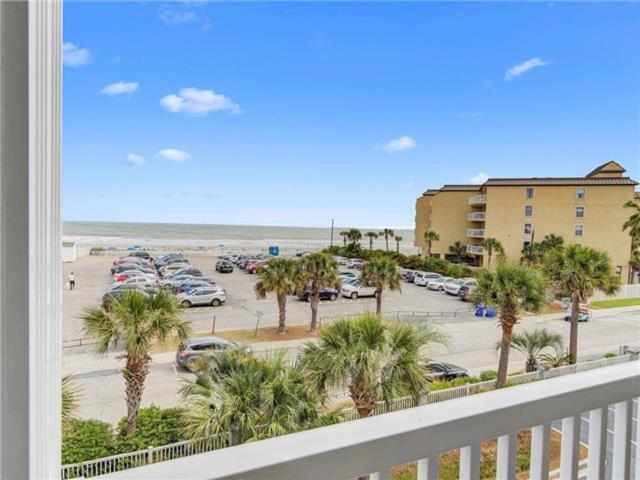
(476, 216)
(421, 434)
(475, 249)
(478, 200)
(475, 232)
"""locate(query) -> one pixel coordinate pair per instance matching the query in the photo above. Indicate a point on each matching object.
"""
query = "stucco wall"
(422, 219)
(449, 219)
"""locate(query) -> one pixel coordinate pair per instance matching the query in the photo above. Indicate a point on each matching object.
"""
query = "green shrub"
(96, 250)
(487, 375)
(609, 355)
(85, 440)
(156, 426)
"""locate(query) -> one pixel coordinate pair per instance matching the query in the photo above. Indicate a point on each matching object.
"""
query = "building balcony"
(478, 200)
(376, 444)
(476, 216)
(475, 249)
(475, 232)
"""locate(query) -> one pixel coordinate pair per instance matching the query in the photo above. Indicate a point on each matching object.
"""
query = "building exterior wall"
(449, 211)
(423, 223)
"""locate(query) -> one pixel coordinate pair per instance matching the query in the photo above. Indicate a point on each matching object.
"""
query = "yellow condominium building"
(518, 211)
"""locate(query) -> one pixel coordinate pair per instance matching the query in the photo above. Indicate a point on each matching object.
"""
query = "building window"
(527, 229)
(619, 271)
(577, 230)
(581, 193)
(528, 210)
(529, 192)
(526, 245)
(579, 212)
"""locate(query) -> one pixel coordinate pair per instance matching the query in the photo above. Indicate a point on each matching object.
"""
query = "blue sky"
(296, 113)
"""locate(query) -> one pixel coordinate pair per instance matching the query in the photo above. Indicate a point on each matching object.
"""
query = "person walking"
(72, 281)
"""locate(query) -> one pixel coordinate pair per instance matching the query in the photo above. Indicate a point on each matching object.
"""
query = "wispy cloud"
(119, 88)
(175, 17)
(173, 155)
(524, 67)
(74, 56)
(135, 159)
(399, 144)
(481, 177)
(193, 101)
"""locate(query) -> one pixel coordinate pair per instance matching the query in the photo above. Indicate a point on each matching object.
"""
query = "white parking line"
(175, 371)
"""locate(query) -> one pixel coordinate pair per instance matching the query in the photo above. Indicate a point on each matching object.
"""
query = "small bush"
(156, 426)
(84, 440)
(96, 250)
(487, 375)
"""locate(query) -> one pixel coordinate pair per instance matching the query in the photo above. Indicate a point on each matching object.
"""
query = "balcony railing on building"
(478, 200)
(475, 249)
(476, 216)
(475, 232)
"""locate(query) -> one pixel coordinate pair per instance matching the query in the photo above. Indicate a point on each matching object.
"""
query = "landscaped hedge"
(85, 440)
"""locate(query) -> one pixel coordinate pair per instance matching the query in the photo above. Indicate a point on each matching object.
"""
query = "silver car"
(214, 296)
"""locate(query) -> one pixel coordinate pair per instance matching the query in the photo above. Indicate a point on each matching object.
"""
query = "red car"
(252, 267)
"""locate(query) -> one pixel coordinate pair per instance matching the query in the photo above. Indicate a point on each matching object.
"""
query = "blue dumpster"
(479, 310)
(491, 312)
(274, 251)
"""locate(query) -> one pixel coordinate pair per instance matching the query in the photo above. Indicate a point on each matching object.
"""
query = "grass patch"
(619, 302)
(450, 461)
(267, 334)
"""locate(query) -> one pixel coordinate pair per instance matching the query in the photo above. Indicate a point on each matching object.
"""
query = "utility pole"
(533, 232)
(332, 232)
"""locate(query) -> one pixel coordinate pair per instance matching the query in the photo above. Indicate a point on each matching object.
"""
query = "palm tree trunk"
(503, 364)
(429, 249)
(314, 299)
(379, 302)
(282, 313)
(363, 402)
(135, 374)
(344, 240)
(386, 239)
(370, 243)
(531, 365)
(573, 335)
(398, 247)
(489, 259)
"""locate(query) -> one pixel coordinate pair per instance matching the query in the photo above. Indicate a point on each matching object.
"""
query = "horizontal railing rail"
(475, 232)
(475, 249)
(421, 434)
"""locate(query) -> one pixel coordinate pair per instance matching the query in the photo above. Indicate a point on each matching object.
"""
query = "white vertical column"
(621, 467)
(381, 475)
(597, 443)
(570, 448)
(507, 456)
(470, 462)
(540, 441)
(428, 468)
(637, 403)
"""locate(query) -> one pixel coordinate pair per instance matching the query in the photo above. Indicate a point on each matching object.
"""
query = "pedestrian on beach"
(72, 281)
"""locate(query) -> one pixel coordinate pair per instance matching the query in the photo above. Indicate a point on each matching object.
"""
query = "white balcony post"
(507, 456)
(428, 468)
(621, 467)
(570, 448)
(470, 462)
(540, 441)
(30, 241)
(597, 443)
(381, 475)
(637, 401)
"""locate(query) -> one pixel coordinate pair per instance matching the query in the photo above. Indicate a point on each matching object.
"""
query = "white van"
(421, 278)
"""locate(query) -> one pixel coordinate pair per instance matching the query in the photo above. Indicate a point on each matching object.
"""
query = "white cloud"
(198, 102)
(135, 159)
(119, 87)
(400, 144)
(174, 17)
(74, 56)
(481, 177)
(524, 67)
(173, 155)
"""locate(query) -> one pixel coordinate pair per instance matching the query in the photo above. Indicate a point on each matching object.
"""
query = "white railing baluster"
(507, 456)
(622, 441)
(428, 468)
(570, 448)
(597, 443)
(540, 441)
(381, 475)
(637, 402)
(470, 462)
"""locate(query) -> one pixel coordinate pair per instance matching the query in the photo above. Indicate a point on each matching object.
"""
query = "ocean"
(228, 237)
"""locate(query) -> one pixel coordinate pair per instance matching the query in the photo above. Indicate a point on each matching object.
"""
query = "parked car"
(224, 266)
(252, 267)
(465, 291)
(121, 277)
(168, 258)
(125, 267)
(142, 254)
(354, 263)
(174, 282)
(171, 269)
(190, 350)
(438, 283)
(452, 288)
(583, 313)
(444, 371)
(408, 275)
(348, 274)
(137, 279)
(186, 271)
(208, 295)
(357, 289)
(347, 280)
(118, 291)
(193, 282)
(421, 278)
(325, 294)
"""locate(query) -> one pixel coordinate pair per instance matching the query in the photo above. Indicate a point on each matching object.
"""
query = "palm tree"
(511, 289)
(633, 225)
(354, 235)
(579, 270)
(71, 395)
(320, 270)
(531, 344)
(279, 275)
(381, 273)
(430, 236)
(249, 398)
(492, 245)
(373, 359)
(387, 233)
(459, 250)
(136, 322)
(398, 240)
(551, 242)
(554, 360)
(371, 236)
(344, 234)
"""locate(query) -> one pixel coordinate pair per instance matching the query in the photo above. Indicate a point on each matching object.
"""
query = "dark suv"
(224, 266)
(190, 350)
(465, 292)
(325, 294)
(444, 371)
